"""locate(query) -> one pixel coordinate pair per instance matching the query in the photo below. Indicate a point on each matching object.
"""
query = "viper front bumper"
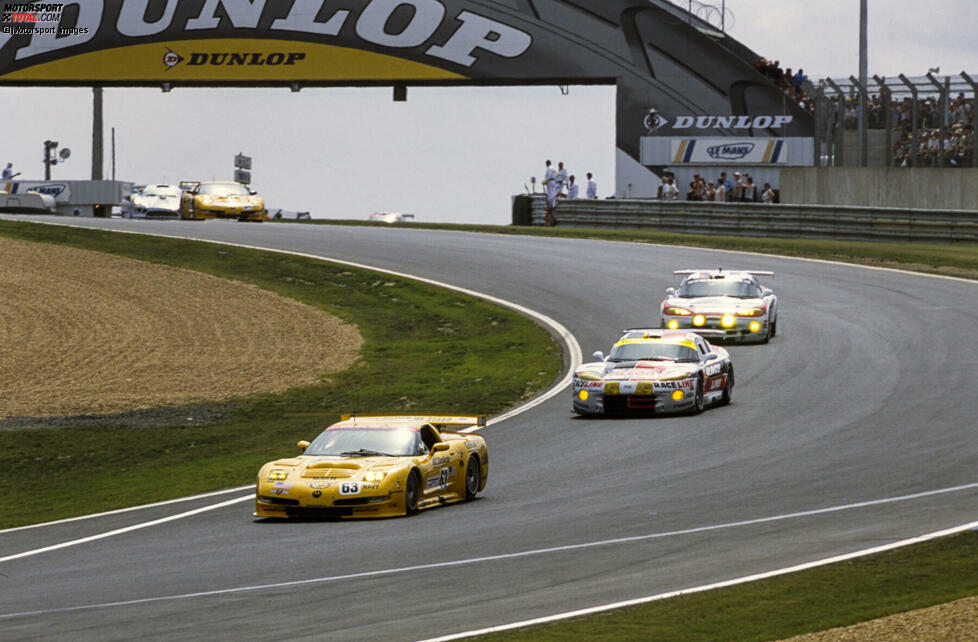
(744, 329)
(659, 402)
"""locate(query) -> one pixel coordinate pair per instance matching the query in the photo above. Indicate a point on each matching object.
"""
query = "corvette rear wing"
(437, 420)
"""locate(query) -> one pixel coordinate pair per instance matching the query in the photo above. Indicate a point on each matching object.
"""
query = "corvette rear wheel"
(411, 493)
(473, 475)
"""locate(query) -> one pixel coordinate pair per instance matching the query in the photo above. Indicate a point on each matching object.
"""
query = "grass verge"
(426, 349)
(949, 260)
(817, 599)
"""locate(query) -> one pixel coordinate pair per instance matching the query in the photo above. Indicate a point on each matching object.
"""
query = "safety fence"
(757, 220)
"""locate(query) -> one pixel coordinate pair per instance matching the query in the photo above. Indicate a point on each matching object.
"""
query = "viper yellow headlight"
(582, 395)
(677, 395)
(682, 312)
(728, 321)
(755, 326)
(699, 320)
(277, 475)
(374, 476)
(753, 312)
(673, 324)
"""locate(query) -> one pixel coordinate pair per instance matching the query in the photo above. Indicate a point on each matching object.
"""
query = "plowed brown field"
(84, 332)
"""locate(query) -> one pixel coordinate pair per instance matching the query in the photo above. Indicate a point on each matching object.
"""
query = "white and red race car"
(655, 371)
(732, 301)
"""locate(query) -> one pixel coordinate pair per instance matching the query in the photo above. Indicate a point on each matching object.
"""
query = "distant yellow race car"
(377, 466)
(221, 199)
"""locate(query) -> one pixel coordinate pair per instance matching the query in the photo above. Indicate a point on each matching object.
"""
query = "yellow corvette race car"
(221, 199)
(377, 466)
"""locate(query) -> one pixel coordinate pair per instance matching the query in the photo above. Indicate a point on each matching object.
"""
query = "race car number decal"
(350, 488)
(717, 383)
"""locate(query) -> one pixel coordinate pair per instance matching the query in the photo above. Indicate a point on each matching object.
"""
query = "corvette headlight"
(374, 476)
(677, 312)
(755, 326)
(673, 324)
(728, 321)
(587, 375)
(699, 320)
(677, 395)
(277, 475)
(582, 395)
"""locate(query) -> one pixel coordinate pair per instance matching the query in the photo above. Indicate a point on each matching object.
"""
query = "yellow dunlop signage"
(263, 41)
(227, 59)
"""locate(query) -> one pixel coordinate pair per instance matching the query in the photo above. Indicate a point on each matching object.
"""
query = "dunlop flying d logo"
(171, 59)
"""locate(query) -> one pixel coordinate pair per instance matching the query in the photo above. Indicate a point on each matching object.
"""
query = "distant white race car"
(156, 201)
(390, 217)
(733, 301)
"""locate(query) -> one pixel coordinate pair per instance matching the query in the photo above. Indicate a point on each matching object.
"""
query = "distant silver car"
(155, 201)
(733, 301)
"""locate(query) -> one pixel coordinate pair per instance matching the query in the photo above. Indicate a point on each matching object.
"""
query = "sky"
(447, 154)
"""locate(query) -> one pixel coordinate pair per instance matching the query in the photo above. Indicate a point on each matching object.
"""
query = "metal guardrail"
(760, 220)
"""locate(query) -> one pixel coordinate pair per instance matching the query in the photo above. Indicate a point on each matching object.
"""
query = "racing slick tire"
(412, 493)
(473, 476)
(728, 389)
(774, 328)
(699, 398)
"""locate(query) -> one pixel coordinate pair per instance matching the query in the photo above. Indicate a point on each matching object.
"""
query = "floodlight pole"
(839, 112)
(863, 139)
(97, 152)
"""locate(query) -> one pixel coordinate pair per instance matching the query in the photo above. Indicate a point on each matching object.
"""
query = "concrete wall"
(901, 187)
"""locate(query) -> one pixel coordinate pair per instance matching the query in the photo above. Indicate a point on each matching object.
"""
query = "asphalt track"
(854, 428)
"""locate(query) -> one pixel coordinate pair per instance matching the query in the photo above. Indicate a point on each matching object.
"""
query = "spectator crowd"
(740, 189)
(959, 139)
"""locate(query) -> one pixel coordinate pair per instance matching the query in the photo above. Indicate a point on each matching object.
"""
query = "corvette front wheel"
(411, 493)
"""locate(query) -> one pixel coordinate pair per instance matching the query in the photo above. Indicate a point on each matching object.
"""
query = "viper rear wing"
(656, 333)
(719, 272)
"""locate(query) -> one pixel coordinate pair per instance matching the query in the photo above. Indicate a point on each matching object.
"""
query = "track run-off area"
(852, 430)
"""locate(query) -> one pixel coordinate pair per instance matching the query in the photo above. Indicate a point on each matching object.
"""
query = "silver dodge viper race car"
(655, 371)
(733, 302)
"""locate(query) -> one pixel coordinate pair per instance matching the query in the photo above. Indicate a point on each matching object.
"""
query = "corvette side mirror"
(598, 355)
(303, 445)
(440, 447)
(670, 291)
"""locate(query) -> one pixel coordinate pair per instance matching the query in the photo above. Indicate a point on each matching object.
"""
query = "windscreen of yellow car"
(223, 189)
(367, 442)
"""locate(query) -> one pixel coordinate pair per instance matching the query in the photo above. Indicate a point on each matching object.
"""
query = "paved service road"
(841, 430)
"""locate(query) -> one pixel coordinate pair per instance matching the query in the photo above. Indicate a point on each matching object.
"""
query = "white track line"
(130, 508)
(127, 529)
(552, 550)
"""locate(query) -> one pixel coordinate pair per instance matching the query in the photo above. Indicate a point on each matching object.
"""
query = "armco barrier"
(755, 219)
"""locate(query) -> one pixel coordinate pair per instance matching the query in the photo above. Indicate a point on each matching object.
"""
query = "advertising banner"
(730, 151)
